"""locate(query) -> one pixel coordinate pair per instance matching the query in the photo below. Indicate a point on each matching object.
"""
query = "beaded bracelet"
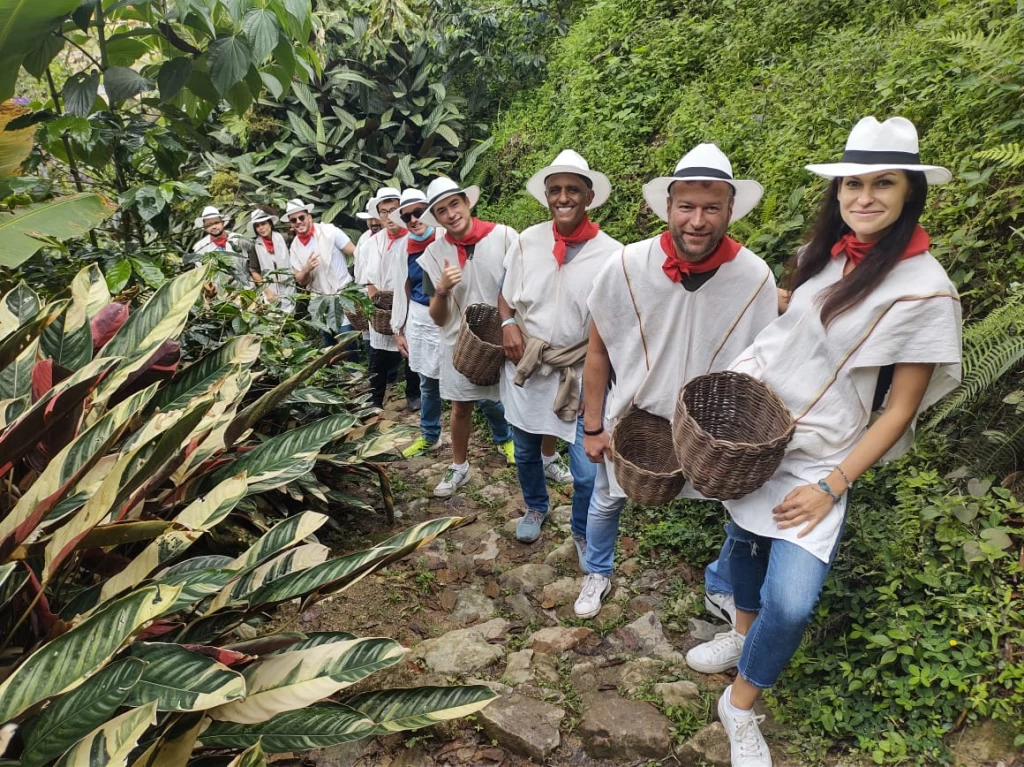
(842, 474)
(828, 490)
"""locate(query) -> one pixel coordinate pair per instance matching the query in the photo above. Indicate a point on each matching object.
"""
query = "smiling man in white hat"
(317, 257)
(464, 267)
(233, 270)
(550, 271)
(666, 309)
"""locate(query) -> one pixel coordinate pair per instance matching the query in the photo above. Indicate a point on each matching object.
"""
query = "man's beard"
(688, 253)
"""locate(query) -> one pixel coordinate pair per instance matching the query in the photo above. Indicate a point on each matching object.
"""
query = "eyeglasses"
(409, 215)
(299, 218)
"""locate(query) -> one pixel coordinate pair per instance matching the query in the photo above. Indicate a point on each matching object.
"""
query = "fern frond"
(992, 346)
(1007, 155)
(999, 451)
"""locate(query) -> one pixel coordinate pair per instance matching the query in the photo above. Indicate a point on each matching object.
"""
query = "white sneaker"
(557, 472)
(720, 654)
(722, 606)
(452, 481)
(588, 603)
(745, 739)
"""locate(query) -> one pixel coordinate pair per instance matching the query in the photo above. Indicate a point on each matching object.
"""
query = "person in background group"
(385, 270)
(272, 259)
(464, 267)
(418, 338)
(549, 273)
(317, 256)
(373, 226)
(667, 309)
(873, 324)
(231, 271)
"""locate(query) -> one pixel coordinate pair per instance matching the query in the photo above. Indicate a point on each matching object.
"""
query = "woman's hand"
(806, 505)
(512, 340)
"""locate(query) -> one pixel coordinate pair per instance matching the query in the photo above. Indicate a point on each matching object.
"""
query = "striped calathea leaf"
(66, 662)
(294, 560)
(295, 679)
(228, 394)
(112, 742)
(415, 707)
(318, 726)
(251, 757)
(160, 319)
(18, 306)
(286, 533)
(207, 373)
(176, 742)
(75, 714)
(68, 340)
(179, 680)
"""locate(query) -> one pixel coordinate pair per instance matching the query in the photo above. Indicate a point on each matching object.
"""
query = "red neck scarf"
(857, 251)
(676, 269)
(416, 247)
(268, 243)
(587, 230)
(477, 232)
(220, 242)
(305, 238)
(393, 237)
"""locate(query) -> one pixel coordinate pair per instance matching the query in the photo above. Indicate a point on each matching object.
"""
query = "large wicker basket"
(646, 465)
(479, 353)
(730, 432)
(357, 319)
(381, 319)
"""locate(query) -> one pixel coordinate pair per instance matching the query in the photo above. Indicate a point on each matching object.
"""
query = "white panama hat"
(258, 216)
(442, 187)
(569, 161)
(296, 205)
(873, 146)
(384, 193)
(368, 213)
(410, 197)
(209, 212)
(705, 162)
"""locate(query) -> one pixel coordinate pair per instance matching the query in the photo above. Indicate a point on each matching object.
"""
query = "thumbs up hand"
(450, 277)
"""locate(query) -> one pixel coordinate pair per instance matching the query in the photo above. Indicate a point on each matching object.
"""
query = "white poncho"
(827, 378)
(386, 270)
(660, 335)
(550, 304)
(276, 270)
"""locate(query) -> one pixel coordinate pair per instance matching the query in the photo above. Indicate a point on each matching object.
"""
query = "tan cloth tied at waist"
(537, 353)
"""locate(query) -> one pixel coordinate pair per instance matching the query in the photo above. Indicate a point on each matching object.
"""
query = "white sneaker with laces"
(453, 479)
(722, 606)
(720, 654)
(747, 743)
(588, 603)
(557, 472)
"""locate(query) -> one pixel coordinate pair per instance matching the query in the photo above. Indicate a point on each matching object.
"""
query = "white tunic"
(827, 378)
(276, 270)
(330, 276)
(385, 269)
(660, 335)
(360, 257)
(482, 277)
(550, 304)
(239, 263)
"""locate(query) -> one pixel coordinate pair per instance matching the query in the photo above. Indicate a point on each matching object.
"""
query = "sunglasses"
(409, 215)
(299, 218)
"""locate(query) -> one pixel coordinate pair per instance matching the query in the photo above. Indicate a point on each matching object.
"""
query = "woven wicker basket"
(381, 319)
(730, 432)
(357, 319)
(479, 353)
(646, 465)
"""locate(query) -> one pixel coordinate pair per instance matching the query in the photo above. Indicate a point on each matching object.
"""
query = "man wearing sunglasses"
(318, 259)
(418, 338)
(386, 272)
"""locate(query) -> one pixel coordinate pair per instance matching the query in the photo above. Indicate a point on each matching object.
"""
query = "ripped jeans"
(781, 582)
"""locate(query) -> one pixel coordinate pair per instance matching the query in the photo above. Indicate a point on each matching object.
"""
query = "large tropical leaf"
(111, 743)
(338, 574)
(251, 757)
(286, 533)
(415, 707)
(229, 393)
(174, 748)
(15, 145)
(205, 373)
(16, 343)
(314, 727)
(74, 715)
(67, 661)
(195, 586)
(301, 558)
(68, 340)
(19, 306)
(161, 318)
(61, 218)
(179, 680)
(200, 516)
(287, 456)
(23, 25)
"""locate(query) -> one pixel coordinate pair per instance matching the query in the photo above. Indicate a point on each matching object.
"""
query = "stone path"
(477, 606)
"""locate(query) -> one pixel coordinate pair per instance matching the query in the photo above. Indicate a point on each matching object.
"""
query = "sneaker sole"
(607, 588)
(703, 668)
(717, 611)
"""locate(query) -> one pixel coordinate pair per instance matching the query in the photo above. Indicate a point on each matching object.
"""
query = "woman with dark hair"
(268, 261)
(873, 323)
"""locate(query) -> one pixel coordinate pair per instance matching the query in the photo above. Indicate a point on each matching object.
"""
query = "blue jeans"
(530, 468)
(494, 412)
(430, 409)
(781, 582)
(602, 525)
(717, 578)
(330, 339)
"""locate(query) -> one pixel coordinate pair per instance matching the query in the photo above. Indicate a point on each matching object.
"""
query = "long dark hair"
(829, 227)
